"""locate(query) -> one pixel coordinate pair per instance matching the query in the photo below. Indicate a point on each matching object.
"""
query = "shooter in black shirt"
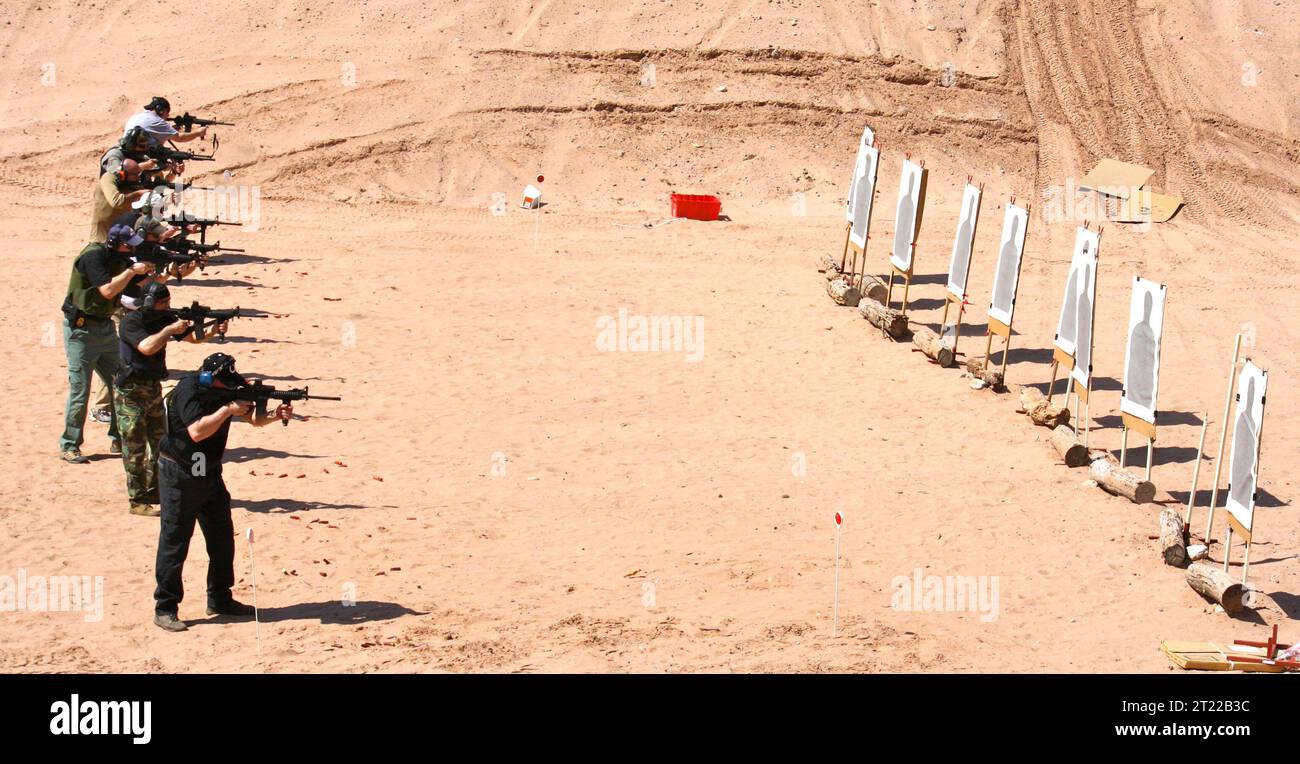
(191, 487)
(144, 335)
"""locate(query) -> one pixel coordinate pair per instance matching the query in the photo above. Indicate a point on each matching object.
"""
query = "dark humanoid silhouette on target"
(1066, 330)
(905, 223)
(1083, 327)
(862, 200)
(1008, 267)
(1140, 384)
(962, 259)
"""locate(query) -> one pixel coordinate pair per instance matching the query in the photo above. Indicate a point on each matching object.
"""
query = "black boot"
(168, 622)
(229, 607)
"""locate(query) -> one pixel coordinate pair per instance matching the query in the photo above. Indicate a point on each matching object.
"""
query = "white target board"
(959, 263)
(1085, 315)
(867, 140)
(907, 219)
(1146, 321)
(864, 190)
(1086, 244)
(1006, 279)
(1243, 470)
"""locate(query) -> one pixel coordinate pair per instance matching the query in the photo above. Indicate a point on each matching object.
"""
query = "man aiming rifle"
(190, 485)
(144, 335)
(113, 195)
(156, 120)
(100, 274)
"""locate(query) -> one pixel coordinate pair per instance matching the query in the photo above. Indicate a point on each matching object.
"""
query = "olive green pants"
(91, 348)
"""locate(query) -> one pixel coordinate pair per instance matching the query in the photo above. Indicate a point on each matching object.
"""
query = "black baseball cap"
(123, 234)
(222, 369)
(158, 104)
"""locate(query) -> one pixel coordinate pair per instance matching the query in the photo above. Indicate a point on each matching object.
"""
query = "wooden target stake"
(1196, 471)
(1223, 441)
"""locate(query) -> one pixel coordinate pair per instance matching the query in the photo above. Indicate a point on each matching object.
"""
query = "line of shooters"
(118, 321)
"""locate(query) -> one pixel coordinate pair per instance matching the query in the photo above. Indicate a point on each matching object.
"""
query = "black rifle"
(162, 257)
(183, 246)
(150, 184)
(205, 318)
(259, 394)
(187, 122)
(164, 154)
(202, 223)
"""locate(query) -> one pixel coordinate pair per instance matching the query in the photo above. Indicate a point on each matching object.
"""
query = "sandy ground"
(516, 500)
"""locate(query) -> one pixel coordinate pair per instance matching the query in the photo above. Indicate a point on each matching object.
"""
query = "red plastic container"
(696, 206)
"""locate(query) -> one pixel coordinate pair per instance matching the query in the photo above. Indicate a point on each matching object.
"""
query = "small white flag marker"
(252, 564)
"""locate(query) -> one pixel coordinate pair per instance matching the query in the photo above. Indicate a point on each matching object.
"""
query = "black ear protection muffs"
(153, 294)
(220, 367)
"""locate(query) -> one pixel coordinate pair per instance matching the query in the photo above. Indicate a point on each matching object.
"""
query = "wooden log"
(1035, 405)
(843, 292)
(1173, 538)
(888, 320)
(1121, 482)
(872, 287)
(829, 266)
(933, 346)
(1216, 586)
(991, 377)
(1069, 447)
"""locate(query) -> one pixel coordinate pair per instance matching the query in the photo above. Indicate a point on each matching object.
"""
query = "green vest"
(85, 296)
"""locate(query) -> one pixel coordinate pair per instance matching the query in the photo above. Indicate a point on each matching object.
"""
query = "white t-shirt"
(157, 127)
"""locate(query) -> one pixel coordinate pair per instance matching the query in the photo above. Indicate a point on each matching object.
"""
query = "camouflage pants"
(140, 421)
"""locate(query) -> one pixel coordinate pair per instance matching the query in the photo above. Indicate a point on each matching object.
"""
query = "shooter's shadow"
(254, 341)
(292, 378)
(199, 280)
(327, 613)
(234, 258)
(249, 453)
(296, 505)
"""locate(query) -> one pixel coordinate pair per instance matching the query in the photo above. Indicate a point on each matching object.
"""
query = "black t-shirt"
(136, 327)
(187, 404)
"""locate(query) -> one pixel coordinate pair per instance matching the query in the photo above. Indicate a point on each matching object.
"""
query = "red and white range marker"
(835, 619)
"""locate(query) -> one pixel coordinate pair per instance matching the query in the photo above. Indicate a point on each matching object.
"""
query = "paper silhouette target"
(864, 188)
(1146, 320)
(867, 140)
(1011, 248)
(907, 219)
(1086, 244)
(959, 263)
(1085, 308)
(1243, 470)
